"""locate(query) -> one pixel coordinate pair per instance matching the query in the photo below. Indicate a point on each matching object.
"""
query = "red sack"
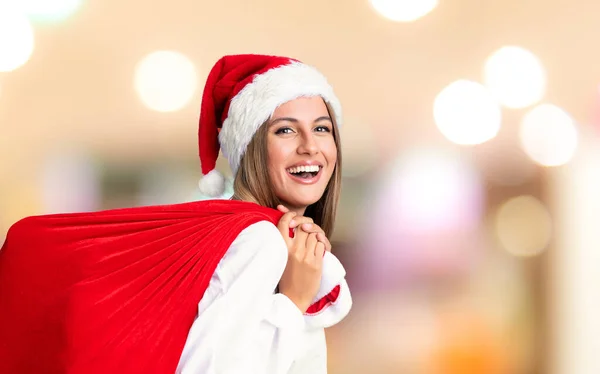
(114, 291)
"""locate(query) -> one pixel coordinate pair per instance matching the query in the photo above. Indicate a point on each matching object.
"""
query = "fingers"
(312, 228)
(300, 220)
(323, 239)
(284, 224)
(300, 237)
(311, 244)
(319, 253)
(315, 250)
(306, 224)
(299, 248)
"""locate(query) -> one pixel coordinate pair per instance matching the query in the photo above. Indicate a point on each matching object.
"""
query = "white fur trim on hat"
(212, 184)
(257, 101)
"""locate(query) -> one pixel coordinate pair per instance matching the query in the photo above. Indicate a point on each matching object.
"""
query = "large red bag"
(112, 291)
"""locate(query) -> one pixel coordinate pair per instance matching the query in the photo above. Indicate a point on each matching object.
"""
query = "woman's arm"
(333, 301)
(242, 326)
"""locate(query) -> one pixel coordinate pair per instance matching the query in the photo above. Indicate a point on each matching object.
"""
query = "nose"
(308, 145)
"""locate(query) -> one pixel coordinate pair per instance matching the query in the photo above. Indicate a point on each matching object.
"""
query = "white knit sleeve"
(313, 359)
(333, 301)
(242, 326)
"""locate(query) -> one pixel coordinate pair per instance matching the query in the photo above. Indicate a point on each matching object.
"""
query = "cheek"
(272, 154)
(276, 157)
(278, 153)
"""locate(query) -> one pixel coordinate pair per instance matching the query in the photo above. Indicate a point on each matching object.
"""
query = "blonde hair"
(252, 181)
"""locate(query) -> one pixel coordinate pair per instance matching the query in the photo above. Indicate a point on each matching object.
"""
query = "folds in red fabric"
(113, 291)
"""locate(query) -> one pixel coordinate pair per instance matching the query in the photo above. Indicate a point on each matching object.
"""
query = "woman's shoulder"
(259, 248)
(261, 232)
(257, 241)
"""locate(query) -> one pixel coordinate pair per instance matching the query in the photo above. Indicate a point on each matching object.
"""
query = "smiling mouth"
(305, 173)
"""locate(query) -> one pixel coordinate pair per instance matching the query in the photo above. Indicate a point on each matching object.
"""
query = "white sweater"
(244, 327)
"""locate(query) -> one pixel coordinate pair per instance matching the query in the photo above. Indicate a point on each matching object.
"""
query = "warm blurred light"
(523, 226)
(548, 135)
(70, 182)
(596, 110)
(386, 317)
(466, 113)
(16, 38)
(359, 148)
(572, 267)
(422, 218)
(504, 162)
(165, 81)
(515, 76)
(470, 344)
(49, 10)
(403, 10)
(434, 189)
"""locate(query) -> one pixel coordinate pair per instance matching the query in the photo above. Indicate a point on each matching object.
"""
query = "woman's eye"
(284, 130)
(322, 129)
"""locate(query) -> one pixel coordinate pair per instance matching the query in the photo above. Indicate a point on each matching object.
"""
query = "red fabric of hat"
(241, 93)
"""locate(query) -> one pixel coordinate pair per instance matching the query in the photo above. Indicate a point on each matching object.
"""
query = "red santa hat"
(241, 93)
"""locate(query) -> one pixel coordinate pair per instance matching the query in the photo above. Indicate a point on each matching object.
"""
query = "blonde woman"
(246, 285)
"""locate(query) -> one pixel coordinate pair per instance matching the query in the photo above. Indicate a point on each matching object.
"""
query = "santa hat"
(241, 93)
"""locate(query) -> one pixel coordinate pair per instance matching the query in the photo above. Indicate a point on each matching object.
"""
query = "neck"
(298, 210)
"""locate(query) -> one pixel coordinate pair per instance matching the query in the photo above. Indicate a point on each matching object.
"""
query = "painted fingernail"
(307, 226)
(292, 223)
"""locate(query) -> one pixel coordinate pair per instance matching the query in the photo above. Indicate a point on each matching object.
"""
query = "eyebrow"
(291, 119)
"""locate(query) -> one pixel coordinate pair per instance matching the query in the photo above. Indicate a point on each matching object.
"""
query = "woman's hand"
(306, 224)
(301, 278)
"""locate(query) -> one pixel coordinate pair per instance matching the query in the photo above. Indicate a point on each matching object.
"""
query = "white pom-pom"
(212, 184)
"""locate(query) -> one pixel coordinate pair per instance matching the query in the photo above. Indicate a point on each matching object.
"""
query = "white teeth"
(304, 169)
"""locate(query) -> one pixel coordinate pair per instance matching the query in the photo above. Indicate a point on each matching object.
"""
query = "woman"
(220, 286)
(293, 159)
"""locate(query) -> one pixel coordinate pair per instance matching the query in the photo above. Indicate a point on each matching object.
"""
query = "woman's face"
(301, 151)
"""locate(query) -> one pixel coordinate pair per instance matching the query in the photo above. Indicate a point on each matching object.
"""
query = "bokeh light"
(469, 343)
(423, 218)
(358, 147)
(403, 10)
(165, 81)
(70, 180)
(434, 189)
(548, 135)
(466, 113)
(16, 38)
(596, 110)
(49, 10)
(515, 76)
(523, 226)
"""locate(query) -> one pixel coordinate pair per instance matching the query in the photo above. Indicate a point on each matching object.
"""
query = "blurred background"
(470, 218)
